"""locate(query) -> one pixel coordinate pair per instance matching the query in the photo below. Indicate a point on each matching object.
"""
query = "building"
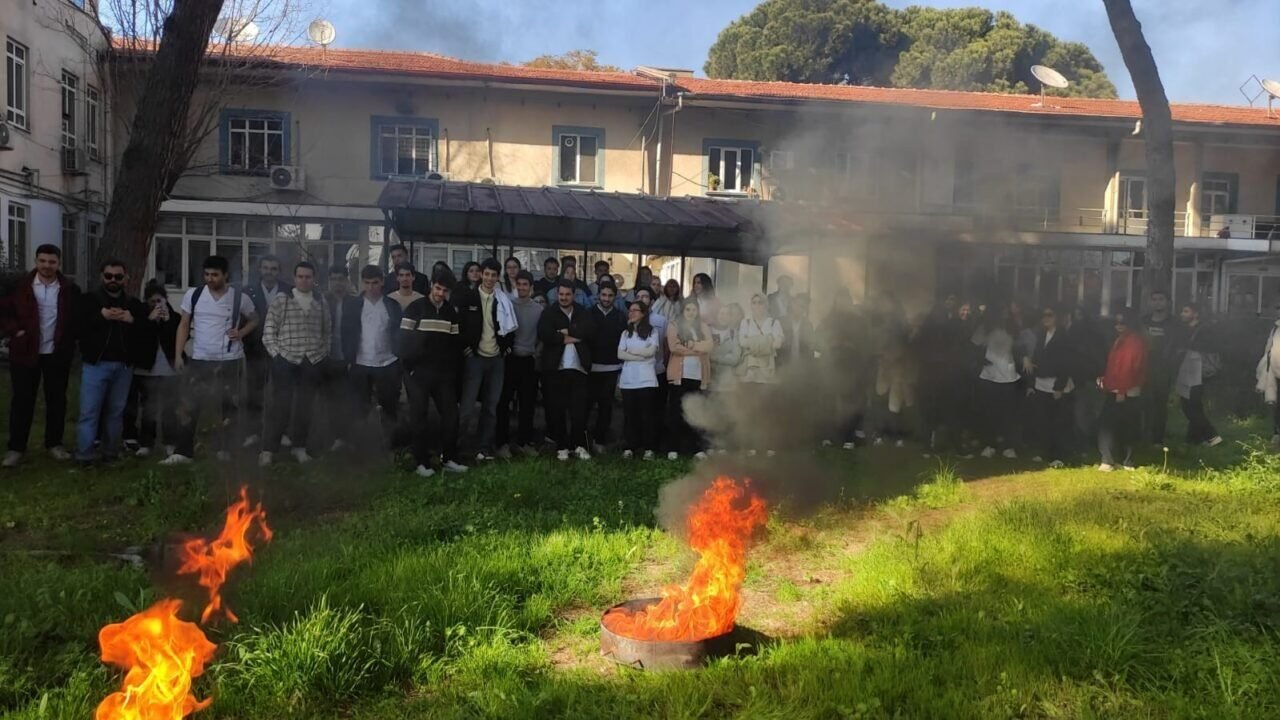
(924, 192)
(56, 162)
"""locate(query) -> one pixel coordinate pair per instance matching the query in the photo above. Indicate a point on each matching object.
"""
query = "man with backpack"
(215, 318)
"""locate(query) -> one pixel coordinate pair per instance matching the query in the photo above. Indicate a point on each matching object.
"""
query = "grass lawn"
(983, 589)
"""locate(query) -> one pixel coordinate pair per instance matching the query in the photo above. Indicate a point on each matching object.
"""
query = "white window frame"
(92, 113)
(70, 89)
(249, 127)
(414, 134)
(576, 139)
(718, 170)
(18, 227)
(17, 95)
(1220, 190)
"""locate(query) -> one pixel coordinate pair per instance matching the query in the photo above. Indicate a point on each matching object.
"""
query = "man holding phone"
(107, 320)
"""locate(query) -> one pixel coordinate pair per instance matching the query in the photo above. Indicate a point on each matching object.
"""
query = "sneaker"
(131, 446)
(769, 453)
(423, 471)
(861, 435)
(264, 458)
(11, 459)
(878, 442)
(170, 449)
(285, 441)
(300, 454)
(1214, 441)
(1104, 467)
(848, 446)
(250, 441)
(60, 453)
(454, 466)
(673, 455)
(582, 453)
(142, 452)
(1037, 459)
(627, 454)
(337, 445)
(1130, 468)
(483, 457)
(1057, 465)
(562, 455)
(504, 453)
(1010, 454)
(751, 453)
(827, 443)
(648, 455)
(900, 443)
(699, 456)
(988, 452)
(176, 459)
(223, 456)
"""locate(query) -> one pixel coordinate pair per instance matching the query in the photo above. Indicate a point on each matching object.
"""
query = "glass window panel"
(275, 149)
(388, 164)
(169, 261)
(1271, 297)
(233, 251)
(199, 226)
(1092, 289)
(1184, 260)
(587, 162)
(568, 159)
(747, 171)
(1120, 258)
(1120, 298)
(713, 162)
(169, 225)
(730, 170)
(257, 251)
(1242, 294)
(1181, 288)
(237, 152)
(197, 251)
(257, 228)
(230, 228)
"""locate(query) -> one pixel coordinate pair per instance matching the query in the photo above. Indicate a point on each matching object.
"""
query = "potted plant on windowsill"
(713, 182)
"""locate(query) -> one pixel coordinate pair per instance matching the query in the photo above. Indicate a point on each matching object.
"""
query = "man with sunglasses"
(106, 322)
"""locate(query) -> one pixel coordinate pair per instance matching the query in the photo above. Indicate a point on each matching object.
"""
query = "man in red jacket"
(1121, 415)
(38, 319)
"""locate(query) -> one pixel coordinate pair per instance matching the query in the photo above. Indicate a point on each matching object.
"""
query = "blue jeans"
(478, 372)
(104, 383)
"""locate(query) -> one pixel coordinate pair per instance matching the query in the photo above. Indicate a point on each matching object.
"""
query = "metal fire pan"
(649, 655)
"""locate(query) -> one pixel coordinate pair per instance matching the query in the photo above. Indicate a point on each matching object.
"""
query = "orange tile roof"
(953, 100)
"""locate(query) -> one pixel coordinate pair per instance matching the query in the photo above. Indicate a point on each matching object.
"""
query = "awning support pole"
(764, 276)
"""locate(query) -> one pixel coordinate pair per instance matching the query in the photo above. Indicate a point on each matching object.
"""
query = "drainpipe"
(488, 138)
(666, 141)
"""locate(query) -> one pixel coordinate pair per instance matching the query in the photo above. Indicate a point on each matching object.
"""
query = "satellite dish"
(322, 32)
(1273, 91)
(236, 30)
(1048, 77)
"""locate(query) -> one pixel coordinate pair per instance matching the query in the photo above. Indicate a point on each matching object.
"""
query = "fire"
(720, 526)
(213, 559)
(162, 655)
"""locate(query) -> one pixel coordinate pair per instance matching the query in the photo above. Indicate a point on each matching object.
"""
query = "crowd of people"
(475, 358)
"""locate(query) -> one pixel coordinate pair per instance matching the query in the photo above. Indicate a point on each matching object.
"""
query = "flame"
(720, 526)
(214, 559)
(161, 655)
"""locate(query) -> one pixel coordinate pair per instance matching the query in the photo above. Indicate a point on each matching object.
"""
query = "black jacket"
(807, 345)
(429, 337)
(1091, 349)
(421, 283)
(542, 286)
(551, 322)
(471, 320)
(253, 342)
(150, 335)
(103, 340)
(353, 327)
(1055, 359)
(608, 330)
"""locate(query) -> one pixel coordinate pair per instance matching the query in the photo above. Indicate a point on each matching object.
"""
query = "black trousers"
(22, 407)
(205, 381)
(426, 386)
(150, 415)
(336, 401)
(257, 369)
(1199, 429)
(1118, 428)
(681, 436)
(600, 389)
(384, 384)
(519, 383)
(1155, 407)
(639, 416)
(1053, 421)
(998, 403)
(293, 388)
(566, 394)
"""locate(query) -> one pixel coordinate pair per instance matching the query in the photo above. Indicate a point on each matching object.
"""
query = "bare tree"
(176, 82)
(1157, 128)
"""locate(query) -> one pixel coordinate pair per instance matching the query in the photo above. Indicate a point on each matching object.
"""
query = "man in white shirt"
(566, 331)
(215, 318)
(369, 329)
(484, 349)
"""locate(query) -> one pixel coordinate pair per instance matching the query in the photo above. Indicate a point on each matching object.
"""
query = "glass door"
(1132, 211)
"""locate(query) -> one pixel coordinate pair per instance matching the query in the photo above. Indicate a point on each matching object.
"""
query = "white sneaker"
(1214, 441)
(878, 442)
(827, 443)
(699, 456)
(11, 459)
(337, 445)
(424, 471)
(648, 455)
(562, 454)
(60, 453)
(1130, 468)
(1037, 459)
(482, 458)
(1104, 467)
(627, 454)
(300, 454)
(751, 453)
(861, 435)
(285, 441)
(673, 455)
(1057, 465)
(988, 452)
(769, 453)
(454, 467)
(848, 446)
(222, 456)
(176, 459)
(1010, 454)
(142, 452)
(250, 441)
(264, 458)
(900, 443)
(582, 453)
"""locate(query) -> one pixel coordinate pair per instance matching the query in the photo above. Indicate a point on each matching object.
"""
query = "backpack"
(235, 307)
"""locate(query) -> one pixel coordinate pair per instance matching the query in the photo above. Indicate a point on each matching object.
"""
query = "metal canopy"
(437, 211)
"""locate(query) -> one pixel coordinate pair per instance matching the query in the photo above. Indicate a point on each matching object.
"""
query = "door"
(1132, 212)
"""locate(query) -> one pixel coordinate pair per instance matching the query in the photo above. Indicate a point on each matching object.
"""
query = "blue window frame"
(251, 141)
(578, 157)
(402, 146)
(730, 165)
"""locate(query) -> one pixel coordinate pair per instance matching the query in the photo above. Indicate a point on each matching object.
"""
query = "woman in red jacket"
(1126, 372)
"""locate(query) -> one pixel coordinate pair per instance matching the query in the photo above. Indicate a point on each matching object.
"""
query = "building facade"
(56, 163)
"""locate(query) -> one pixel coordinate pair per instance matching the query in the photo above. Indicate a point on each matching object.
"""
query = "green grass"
(914, 592)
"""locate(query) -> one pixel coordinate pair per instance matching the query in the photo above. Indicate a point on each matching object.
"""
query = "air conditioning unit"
(75, 161)
(1238, 226)
(288, 177)
(6, 140)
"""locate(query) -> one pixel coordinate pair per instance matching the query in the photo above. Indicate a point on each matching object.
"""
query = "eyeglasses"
(112, 276)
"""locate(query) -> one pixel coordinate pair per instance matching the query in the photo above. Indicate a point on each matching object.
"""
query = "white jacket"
(1269, 366)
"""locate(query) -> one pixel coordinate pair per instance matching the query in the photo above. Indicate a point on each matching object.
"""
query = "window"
(70, 101)
(962, 194)
(782, 160)
(1035, 191)
(15, 255)
(254, 140)
(93, 234)
(1218, 193)
(578, 157)
(71, 244)
(730, 168)
(16, 83)
(402, 146)
(92, 111)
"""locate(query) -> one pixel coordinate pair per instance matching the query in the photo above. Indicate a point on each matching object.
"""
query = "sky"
(1205, 48)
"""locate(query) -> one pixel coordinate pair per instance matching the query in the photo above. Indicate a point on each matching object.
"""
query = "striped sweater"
(429, 337)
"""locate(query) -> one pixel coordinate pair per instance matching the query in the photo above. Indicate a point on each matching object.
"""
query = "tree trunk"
(153, 159)
(1157, 130)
